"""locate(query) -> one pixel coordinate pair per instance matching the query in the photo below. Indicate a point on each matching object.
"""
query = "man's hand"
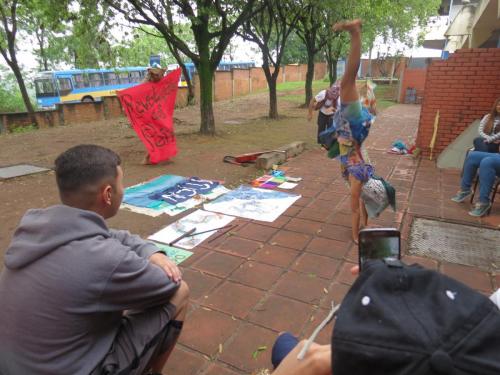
(309, 116)
(170, 268)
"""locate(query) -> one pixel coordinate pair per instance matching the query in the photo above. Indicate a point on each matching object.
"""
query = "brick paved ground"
(264, 278)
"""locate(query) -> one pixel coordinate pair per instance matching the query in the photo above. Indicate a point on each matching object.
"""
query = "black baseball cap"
(398, 319)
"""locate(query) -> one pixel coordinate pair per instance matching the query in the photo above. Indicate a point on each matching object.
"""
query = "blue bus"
(84, 85)
(223, 65)
(89, 85)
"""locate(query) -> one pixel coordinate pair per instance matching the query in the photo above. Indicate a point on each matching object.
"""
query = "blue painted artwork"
(252, 203)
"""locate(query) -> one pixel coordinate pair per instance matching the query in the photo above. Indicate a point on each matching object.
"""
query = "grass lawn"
(287, 91)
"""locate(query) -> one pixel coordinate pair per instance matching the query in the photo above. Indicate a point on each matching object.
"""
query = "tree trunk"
(332, 70)
(309, 77)
(271, 84)
(22, 87)
(189, 81)
(205, 73)
(273, 100)
(370, 61)
(393, 67)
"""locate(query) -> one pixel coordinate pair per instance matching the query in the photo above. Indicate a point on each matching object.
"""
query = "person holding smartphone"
(400, 319)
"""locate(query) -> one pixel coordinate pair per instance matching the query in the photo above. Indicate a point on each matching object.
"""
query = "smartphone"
(378, 243)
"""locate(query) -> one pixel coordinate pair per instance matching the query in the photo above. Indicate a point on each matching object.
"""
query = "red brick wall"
(319, 70)
(241, 78)
(463, 88)
(239, 82)
(413, 78)
(182, 97)
(223, 86)
(302, 72)
(75, 113)
(292, 73)
(258, 79)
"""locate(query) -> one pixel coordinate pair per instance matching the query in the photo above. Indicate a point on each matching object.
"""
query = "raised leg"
(348, 90)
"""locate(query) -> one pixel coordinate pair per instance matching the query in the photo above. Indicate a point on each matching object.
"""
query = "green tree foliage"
(295, 50)
(41, 21)
(143, 43)
(391, 19)
(77, 33)
(314, 30)
(11, 99)
(212, 23)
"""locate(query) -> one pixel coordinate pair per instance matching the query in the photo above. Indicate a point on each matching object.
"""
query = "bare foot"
(350, 26)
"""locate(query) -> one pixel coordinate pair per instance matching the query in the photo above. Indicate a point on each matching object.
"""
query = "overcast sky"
(244, 53)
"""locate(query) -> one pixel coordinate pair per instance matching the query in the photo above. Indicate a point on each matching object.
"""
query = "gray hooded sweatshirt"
(66, 281)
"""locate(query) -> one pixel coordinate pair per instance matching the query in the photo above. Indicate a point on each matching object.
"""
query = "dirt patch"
(241, 127)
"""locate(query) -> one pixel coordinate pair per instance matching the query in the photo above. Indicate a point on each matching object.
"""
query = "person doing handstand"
(352, 123)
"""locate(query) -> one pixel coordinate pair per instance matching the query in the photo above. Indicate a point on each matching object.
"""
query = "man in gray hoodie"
(78, 297)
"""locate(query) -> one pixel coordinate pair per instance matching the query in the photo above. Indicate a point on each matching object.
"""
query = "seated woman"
(489, 168)
(489, 131)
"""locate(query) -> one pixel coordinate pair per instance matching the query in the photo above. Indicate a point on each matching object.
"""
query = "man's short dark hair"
(83, 166)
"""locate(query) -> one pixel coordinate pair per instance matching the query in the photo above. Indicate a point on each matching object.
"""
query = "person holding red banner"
(149, 108)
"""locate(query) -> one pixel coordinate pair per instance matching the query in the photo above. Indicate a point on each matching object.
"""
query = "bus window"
(81, 81)
(135, 77)
(44, 88)
(95, 79)
(64, 85)
(123, 77)
(110, 79)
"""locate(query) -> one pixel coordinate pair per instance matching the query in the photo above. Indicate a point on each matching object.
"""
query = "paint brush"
(184, 235)
(210, 230)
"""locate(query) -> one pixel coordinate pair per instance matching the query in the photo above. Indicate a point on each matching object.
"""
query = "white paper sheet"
(201, 220)
(287, 185)
(252, 203)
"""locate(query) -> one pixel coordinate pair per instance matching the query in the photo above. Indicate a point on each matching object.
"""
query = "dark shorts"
(142, 337)
(323, 122)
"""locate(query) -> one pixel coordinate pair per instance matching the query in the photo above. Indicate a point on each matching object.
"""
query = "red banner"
(149, 107)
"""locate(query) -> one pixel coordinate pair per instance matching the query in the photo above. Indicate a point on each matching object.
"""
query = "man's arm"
(135, 283)
(135, 243)
(147, 250)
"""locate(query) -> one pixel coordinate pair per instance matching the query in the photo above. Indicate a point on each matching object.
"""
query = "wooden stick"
(222, 233)
(311, 339)
(210, 230)
(184, 235)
